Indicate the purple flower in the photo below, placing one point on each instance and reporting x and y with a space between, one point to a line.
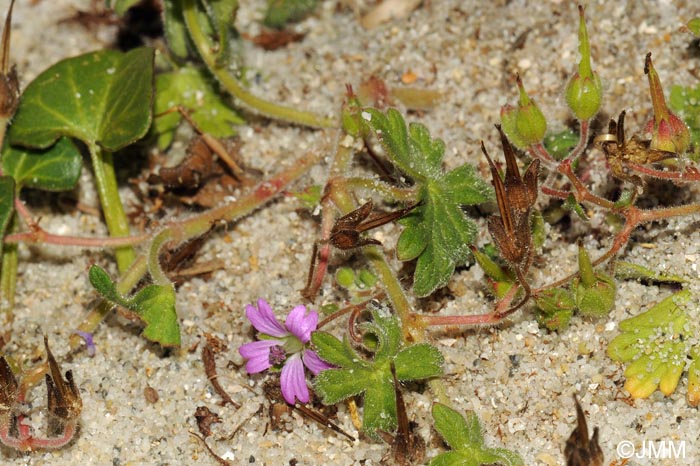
283 345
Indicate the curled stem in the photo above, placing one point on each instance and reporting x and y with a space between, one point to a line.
206 48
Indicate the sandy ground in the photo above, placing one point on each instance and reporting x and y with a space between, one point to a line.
518 378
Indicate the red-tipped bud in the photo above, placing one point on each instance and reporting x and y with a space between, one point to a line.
584 91
668 132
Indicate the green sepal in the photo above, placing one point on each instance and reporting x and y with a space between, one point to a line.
555 308
598 299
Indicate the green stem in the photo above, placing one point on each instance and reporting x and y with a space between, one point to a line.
205 48
154 267
8 276
112 207
393 193
344 201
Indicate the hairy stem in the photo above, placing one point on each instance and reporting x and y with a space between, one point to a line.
205 47
181 231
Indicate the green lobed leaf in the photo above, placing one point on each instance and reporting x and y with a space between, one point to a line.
154 304
104 285
332 350
54 169
336 385
190 88
356 375
174 28
281 12
654 346
380 404
466 440
419 361
438 232
101 97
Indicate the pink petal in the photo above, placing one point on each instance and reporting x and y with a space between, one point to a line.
300 324
314 363
258 355
264 321
293 382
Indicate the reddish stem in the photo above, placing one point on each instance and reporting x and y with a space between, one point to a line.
690 174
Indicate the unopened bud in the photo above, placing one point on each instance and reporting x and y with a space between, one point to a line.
555 308
584 91
668 132
594 291
526 124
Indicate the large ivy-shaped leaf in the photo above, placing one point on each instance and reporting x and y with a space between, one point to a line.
189 87
154 304
464 436
102 97
356 375
438 232
655 345
54 169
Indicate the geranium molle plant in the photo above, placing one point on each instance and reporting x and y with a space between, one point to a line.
285 347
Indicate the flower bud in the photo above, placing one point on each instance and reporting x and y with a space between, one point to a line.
594 291
508 113
556 306
526 124
668 132
584 91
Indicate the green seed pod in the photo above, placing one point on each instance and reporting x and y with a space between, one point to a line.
594 291
584 95
554 300
508 113
530 122
556 321
596 300
584 91
555 308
